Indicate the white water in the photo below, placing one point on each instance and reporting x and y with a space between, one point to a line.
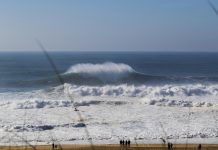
146 90
111 112
107 71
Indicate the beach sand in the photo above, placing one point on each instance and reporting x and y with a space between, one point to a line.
116 147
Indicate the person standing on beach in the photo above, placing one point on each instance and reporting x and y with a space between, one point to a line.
129 142
123 142
199 147
53 146
168 145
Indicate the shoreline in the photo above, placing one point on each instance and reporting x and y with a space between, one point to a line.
113 146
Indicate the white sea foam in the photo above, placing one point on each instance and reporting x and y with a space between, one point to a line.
107 71
111 112
172 95
176 103
182 90
107 124
182 95
37 104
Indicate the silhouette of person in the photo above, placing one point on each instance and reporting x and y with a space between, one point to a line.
199 147
121 142
126 142
53 146
171 146
168 145
129 142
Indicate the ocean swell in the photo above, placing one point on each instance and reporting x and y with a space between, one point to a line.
107 73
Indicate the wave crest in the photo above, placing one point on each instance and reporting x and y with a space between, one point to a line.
107 71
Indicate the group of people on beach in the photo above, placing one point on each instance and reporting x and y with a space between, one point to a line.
170 146
54 146
125 142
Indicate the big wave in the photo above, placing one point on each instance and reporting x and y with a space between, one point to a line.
88 74
120 73
106 72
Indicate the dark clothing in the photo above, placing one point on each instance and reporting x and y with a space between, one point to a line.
199 147
121 142
128 142
168 145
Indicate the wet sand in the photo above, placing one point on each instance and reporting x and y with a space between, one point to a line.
115 147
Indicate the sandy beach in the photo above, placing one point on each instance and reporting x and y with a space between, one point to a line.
116 147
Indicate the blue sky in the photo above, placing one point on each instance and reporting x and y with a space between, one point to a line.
104 25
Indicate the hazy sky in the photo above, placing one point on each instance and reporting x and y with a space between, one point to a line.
103 25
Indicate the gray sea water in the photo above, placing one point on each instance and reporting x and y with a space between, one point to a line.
30 70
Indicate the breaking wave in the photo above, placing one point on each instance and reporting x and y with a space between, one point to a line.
126 90
145 90
88 74
172 95
92 74
107 71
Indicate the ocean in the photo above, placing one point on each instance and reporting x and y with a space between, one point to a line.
21 70
142 96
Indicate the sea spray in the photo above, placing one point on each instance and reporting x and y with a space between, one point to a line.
107 71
